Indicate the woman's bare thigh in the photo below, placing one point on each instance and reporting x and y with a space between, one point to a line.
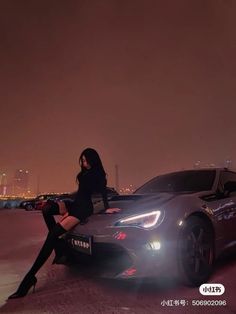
69 222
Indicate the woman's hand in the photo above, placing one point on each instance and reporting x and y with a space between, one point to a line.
112 210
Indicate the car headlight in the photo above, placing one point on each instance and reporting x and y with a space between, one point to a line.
146 221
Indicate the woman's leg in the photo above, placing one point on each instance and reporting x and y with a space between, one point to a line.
50 209
69 222
46 250
60 248
60 228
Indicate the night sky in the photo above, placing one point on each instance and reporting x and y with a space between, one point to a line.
150 84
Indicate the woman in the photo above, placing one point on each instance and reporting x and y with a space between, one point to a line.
91 178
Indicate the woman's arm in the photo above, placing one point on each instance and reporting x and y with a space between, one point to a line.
104 196
103 190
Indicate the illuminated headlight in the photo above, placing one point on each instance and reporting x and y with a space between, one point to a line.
146 221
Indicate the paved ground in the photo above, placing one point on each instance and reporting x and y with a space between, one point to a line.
69 290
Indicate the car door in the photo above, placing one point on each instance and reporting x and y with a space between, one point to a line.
227 205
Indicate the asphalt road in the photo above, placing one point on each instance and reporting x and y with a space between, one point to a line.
81 288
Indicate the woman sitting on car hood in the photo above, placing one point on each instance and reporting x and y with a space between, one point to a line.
91 179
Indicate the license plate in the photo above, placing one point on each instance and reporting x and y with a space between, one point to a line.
82 243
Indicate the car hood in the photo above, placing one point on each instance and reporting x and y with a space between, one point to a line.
139 202
129 205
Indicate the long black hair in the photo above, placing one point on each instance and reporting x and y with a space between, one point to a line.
94 161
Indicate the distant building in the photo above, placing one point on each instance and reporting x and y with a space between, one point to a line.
21 182
3 184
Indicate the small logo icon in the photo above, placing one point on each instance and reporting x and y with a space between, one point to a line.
212 289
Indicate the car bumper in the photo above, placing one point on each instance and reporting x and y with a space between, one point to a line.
132 254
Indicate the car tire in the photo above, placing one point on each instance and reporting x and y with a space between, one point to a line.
195 251
29 207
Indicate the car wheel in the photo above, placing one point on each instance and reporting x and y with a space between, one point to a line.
196 251
29 207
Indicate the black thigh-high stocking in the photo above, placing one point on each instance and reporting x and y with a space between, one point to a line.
49 210
46 250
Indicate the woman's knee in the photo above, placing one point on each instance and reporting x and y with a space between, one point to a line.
50 208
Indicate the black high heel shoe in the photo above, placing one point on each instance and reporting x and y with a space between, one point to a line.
24 287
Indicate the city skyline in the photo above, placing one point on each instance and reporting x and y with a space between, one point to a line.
17 184
149 84
129 188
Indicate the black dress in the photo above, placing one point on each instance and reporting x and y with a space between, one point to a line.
90 181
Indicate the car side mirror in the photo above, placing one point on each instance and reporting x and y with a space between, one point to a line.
230 187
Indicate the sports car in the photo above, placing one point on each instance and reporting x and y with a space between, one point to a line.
177 224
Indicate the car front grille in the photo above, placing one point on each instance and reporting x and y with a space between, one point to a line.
110 259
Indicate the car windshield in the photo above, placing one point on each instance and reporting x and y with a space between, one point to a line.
44 197
185 181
